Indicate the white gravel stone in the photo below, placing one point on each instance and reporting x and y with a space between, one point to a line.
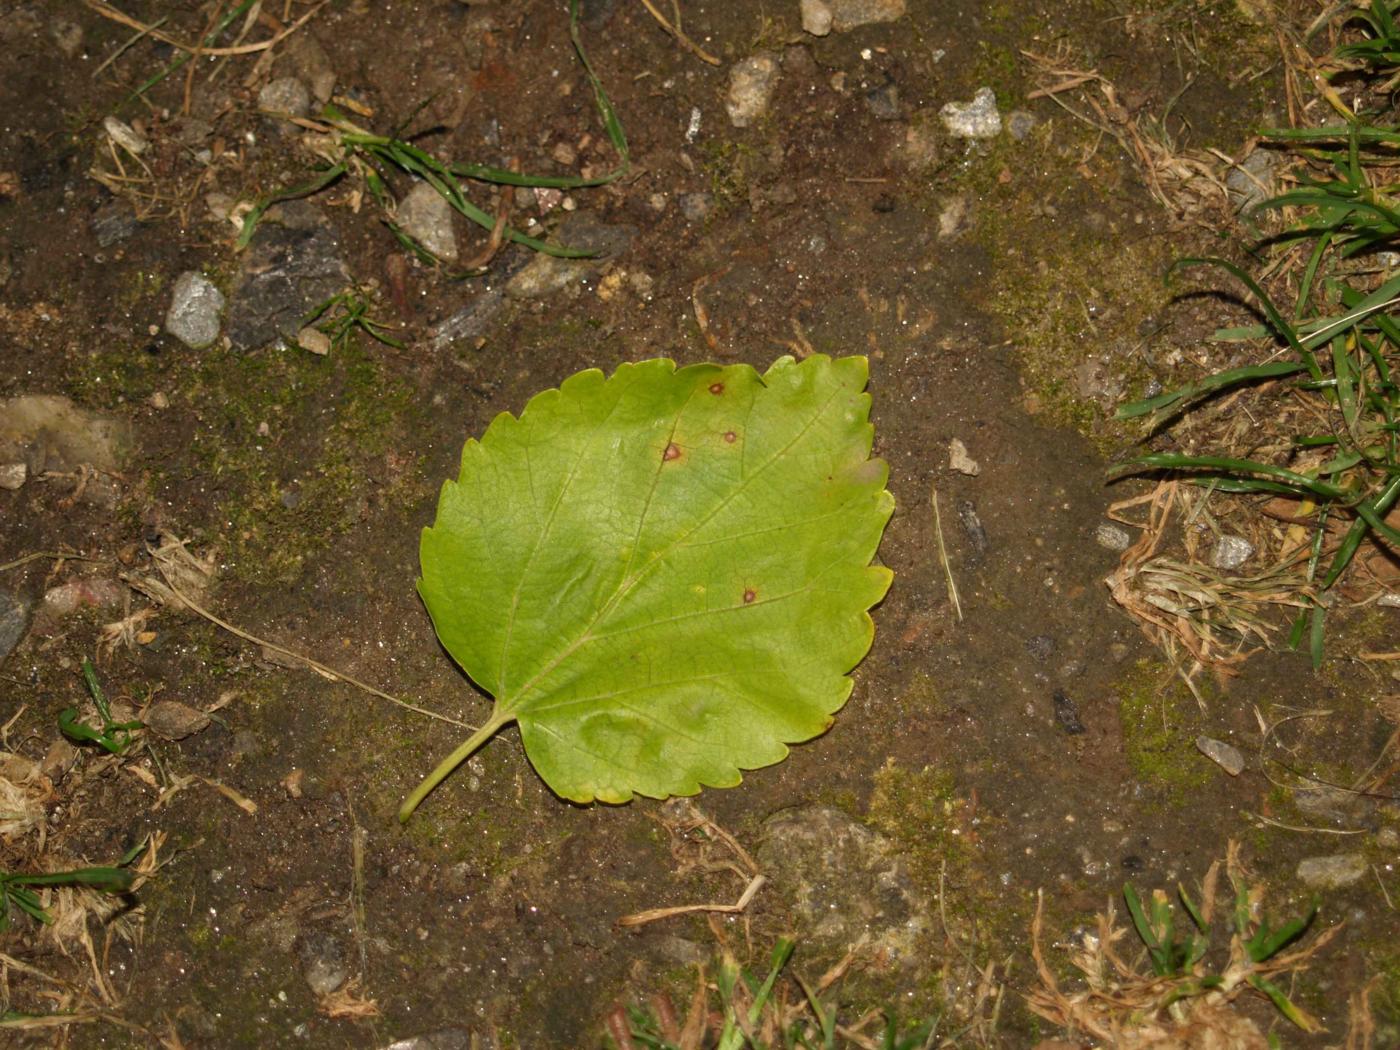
1332 873
125 136
751 84
978 119
1112 537
960 461
196 309
1231 552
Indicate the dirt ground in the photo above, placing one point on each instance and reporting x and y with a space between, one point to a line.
1009 294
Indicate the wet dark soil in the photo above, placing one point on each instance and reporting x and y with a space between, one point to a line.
1036 742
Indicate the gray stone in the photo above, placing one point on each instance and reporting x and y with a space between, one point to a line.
292 266
470 323
91 592
1112 537
125 136
697 207
1333 872
311 63
883 101
545 275
47 432
844 881
196 308
285 96
426 216
752 81
1222 754
1020 123
974 529
14 621
444 1039
1231 552
114 221
816 17
978 119
1067 713
173 720
13 475
1252 181
820 17
1334 805
322 963
920 146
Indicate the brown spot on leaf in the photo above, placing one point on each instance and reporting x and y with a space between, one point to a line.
716 388
730 436
673 451
749 595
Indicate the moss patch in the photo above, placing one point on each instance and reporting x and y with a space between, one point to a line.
285 488
1160 720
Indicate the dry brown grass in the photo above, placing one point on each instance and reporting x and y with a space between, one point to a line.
1117 1002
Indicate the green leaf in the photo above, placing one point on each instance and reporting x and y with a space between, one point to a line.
663 577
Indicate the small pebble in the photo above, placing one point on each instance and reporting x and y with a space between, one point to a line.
697 207
1019 124
173 720
285 95
1112 537
959 460
751 84
972 525
1067 714
1231 552
125 136
13 475
1333 872
978 119
1223 755
426 216
196 310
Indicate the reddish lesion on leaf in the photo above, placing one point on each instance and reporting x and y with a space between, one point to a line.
730 437
749 595
673 451
716 388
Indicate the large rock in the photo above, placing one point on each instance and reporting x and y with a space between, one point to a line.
1332 872
820 17
844 881
545 275
14 621
47 432
292 266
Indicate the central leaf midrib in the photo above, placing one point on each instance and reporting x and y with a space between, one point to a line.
510 704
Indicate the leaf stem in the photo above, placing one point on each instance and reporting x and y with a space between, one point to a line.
452 761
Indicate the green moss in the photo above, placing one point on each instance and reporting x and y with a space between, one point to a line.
728 167
290 443
1071 294
930 825
1160 721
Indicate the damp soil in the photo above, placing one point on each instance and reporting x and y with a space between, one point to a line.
1038 729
